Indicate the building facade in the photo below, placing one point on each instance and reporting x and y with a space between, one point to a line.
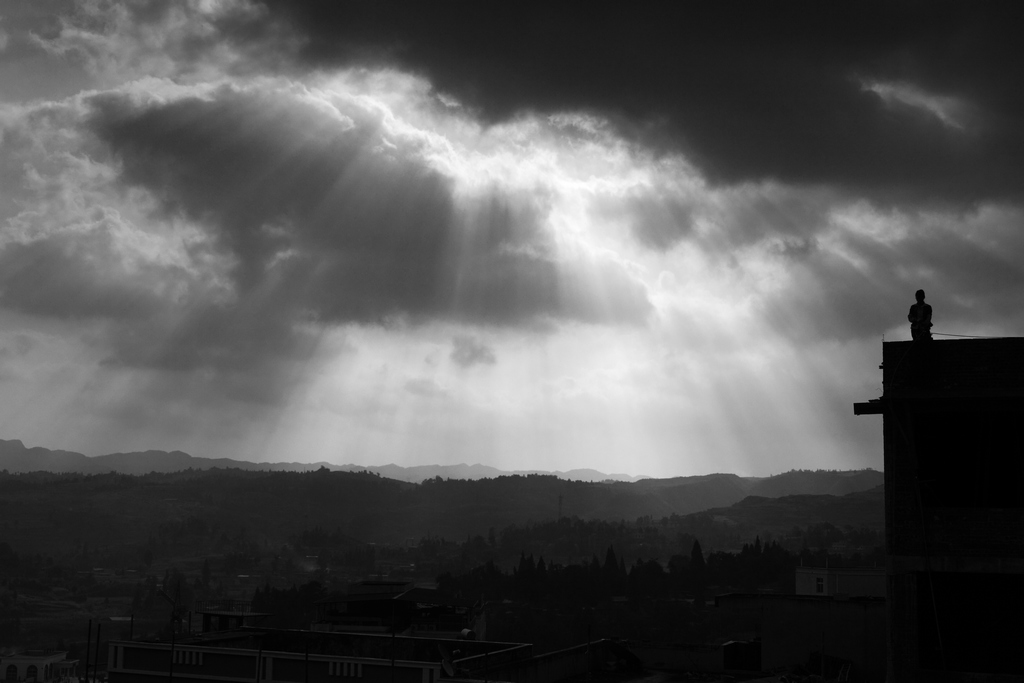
38 666
196 662
954 507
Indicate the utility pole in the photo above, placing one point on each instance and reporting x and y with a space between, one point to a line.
170 667
259 662
392 640
96 662
88 648
175 618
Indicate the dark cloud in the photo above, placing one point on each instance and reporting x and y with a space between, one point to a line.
80 275
749 91
469 351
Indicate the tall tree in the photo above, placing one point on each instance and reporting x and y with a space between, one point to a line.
610 571
697 572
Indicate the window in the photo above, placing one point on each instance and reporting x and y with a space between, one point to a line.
347 669
819 584
31 673
188 657
12 673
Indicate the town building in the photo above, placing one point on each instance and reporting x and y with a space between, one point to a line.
38 666
400 607
256 655
378 632
835 625
841 581
831 635
226 614
245 656
954 507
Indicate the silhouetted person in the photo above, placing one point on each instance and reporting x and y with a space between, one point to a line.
920 318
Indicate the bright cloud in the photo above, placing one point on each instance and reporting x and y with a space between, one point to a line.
953 112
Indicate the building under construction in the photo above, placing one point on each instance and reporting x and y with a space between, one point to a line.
954 508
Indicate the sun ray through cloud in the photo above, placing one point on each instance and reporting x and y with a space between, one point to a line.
286 232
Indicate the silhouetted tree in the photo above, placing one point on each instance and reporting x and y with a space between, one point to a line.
610 572
697 573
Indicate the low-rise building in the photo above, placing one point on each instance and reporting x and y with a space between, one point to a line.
835 620
397 607
38 666
227 614
251 655
829 633
841 581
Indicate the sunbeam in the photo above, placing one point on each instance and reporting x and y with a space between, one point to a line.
236 237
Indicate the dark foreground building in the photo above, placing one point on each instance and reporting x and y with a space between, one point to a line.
953 424
840 636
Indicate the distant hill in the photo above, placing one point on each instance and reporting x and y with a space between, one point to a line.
818 482
16 458
43 512
249 520
779 515
699 492
392 503
420 473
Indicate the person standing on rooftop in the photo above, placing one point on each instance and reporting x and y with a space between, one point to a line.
920 318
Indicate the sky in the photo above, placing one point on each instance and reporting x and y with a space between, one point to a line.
656 239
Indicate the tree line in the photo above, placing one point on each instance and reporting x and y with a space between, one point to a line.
692 576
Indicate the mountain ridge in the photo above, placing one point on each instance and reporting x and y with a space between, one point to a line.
16 458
